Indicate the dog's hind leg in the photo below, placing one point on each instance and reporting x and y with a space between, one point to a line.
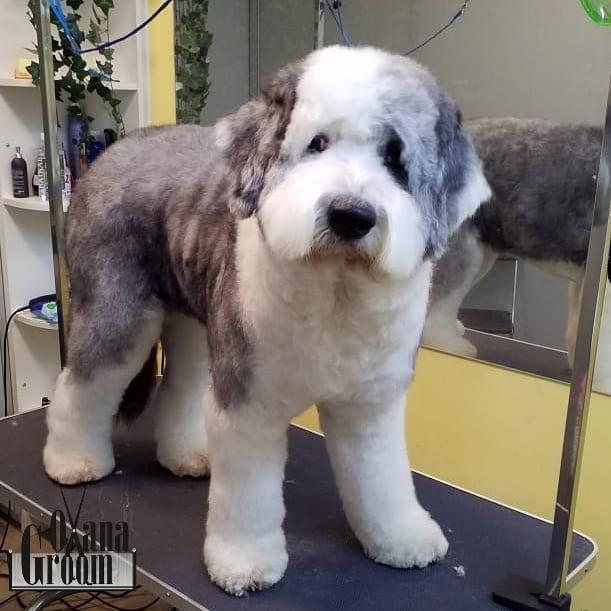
179 405
106 351
462 266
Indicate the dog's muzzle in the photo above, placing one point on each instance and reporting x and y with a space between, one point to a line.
350 218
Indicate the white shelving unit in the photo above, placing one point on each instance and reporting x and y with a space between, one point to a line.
28 203
25 235
27 318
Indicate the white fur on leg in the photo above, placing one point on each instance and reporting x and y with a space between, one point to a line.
369 456
443 330
180 427
245 548
81 416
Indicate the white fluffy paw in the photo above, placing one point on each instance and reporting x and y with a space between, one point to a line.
238 567
186 463
75 468
419 543
463 347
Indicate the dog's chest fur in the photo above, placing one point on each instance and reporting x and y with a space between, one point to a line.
326 331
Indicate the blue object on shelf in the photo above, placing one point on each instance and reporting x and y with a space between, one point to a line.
45 311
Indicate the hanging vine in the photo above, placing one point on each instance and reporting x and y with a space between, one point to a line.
192 43
74 80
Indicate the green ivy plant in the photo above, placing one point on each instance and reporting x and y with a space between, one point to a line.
74 81
192 42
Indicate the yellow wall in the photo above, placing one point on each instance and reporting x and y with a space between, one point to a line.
494 431
161 64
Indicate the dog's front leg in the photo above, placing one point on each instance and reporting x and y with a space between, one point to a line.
369 456
245 548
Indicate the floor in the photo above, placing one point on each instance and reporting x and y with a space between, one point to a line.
140 599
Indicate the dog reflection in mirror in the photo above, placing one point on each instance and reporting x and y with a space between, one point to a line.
284 259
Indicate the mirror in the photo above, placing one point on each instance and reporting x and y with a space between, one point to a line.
531 80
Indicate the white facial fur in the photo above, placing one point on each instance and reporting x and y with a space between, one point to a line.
291 214
354 107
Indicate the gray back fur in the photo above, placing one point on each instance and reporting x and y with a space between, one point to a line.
543 179
155 220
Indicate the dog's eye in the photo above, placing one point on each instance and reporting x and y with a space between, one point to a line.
392 154
319 143
392 160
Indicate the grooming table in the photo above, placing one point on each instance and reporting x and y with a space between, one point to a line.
327 569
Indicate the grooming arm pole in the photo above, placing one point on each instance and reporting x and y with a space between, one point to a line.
583 367
42 19
519 593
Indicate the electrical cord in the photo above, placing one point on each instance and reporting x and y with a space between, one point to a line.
9 599
335 11
5 353
117 608
58 11
457 16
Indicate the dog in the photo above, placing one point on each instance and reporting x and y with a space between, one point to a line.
543 179
284 258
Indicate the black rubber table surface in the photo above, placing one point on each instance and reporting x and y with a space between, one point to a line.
326 568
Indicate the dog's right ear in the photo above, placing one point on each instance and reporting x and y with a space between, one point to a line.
251 139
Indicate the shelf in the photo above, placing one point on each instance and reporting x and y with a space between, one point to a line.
28 203
16 82
27 318
27 83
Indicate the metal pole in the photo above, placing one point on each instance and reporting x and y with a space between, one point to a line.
581 382
49 117
319 35
44 599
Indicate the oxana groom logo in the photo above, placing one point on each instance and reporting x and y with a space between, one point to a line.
97 557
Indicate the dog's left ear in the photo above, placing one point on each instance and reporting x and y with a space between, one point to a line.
461 186
251 139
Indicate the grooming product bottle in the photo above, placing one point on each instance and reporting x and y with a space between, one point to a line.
96 146
19 173
66 175
41 170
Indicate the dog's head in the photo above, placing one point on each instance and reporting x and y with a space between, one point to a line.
353 153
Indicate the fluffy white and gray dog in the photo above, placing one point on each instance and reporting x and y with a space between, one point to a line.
284 258
543 178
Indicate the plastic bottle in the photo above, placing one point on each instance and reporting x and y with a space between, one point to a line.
96 146
41 171
19 173
66 176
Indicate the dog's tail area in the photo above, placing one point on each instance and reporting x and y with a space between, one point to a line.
138 394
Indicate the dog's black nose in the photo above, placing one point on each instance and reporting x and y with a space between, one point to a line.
351 218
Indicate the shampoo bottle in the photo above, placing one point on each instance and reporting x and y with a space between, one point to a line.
41 171
19 173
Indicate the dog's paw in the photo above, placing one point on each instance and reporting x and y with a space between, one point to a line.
73 468
464 347
419 543
187 463
460 327
456 344
240 566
